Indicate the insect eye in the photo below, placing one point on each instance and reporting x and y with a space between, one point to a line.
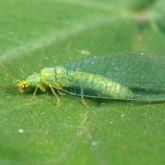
24 86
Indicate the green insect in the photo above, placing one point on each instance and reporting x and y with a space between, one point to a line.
130 76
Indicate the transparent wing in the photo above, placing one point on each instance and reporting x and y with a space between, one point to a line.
143 74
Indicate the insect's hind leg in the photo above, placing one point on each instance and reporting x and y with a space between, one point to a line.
53 91
61 93
82 98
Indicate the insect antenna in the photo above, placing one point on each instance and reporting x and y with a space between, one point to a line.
8 74
13 80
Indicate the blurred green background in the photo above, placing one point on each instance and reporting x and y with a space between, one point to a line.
39 33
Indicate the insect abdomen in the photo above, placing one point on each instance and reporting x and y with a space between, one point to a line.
100 84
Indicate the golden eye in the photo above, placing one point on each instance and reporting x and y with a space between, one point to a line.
24 87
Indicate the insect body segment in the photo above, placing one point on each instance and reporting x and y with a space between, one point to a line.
100 84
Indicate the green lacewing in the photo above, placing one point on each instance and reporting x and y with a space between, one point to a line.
125 76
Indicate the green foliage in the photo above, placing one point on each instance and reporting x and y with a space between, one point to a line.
39 33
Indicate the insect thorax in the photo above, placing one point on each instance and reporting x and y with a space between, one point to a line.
55 76
34 79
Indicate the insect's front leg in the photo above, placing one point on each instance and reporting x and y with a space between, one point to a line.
41 87
34 93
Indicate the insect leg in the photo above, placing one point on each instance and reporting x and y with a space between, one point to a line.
42 88
53 91
82 98
61 93
34 93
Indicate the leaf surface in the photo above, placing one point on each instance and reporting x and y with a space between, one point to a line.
35 34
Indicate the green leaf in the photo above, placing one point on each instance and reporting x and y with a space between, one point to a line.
35 34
